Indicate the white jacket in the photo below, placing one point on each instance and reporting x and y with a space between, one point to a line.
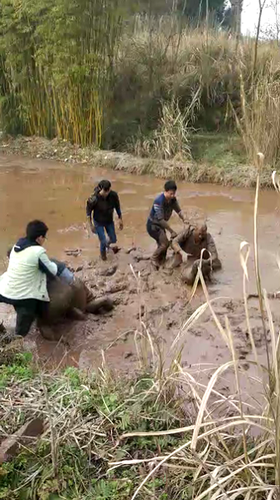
24 279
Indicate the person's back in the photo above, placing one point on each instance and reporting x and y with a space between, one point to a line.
24 285
24 279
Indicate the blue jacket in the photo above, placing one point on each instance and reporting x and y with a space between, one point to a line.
162 209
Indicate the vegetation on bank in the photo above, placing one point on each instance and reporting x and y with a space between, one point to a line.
88 73
218 159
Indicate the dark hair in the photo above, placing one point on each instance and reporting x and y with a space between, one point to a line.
170 186
36 228
106 185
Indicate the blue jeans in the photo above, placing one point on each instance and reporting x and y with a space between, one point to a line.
67 276
100 231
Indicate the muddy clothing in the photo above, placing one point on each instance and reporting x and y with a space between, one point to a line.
156 225
162 209
185 241
158 234
101 209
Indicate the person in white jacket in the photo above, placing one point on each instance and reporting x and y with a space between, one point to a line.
24 285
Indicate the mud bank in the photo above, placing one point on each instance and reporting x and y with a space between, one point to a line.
152 310
178 168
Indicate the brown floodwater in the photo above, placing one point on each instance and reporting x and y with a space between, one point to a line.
57 193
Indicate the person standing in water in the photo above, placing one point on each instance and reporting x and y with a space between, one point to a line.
100 215
157 223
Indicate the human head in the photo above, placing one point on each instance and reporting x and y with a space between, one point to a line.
170 188
200 233
36 231
105 187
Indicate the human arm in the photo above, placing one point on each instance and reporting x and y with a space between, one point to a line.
180 239
214 258
47 266
180 213
118 210
91 203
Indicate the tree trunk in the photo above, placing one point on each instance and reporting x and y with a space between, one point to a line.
236 11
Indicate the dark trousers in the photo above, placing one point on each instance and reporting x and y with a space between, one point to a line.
27 311
100 231
158 233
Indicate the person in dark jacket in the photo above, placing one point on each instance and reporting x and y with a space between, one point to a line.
157 223
24 284
100 215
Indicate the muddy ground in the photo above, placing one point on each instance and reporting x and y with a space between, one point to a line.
156 305
157 301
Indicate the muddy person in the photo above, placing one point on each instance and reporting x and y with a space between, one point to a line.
100 215
157 223
192 241
24 285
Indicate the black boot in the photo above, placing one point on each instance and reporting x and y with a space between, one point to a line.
103 255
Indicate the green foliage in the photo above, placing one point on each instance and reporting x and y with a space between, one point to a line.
19 371
109 407
56 66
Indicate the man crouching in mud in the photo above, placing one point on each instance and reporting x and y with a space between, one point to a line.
191 241
157 223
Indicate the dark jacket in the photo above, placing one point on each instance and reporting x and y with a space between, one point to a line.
102 209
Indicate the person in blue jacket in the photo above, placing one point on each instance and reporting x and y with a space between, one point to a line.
157 223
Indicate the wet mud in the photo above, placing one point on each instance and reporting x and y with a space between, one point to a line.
144 299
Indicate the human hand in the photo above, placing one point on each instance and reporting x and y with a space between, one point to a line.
120 225
91 228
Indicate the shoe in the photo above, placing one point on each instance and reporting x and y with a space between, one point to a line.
103 255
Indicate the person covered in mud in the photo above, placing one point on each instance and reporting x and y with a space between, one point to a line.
192 241
100 215
24 284
157 223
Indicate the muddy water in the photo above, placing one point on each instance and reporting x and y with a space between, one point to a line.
56 193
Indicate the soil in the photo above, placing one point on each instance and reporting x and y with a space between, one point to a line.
148 304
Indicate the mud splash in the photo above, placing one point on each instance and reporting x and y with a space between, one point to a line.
57 193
